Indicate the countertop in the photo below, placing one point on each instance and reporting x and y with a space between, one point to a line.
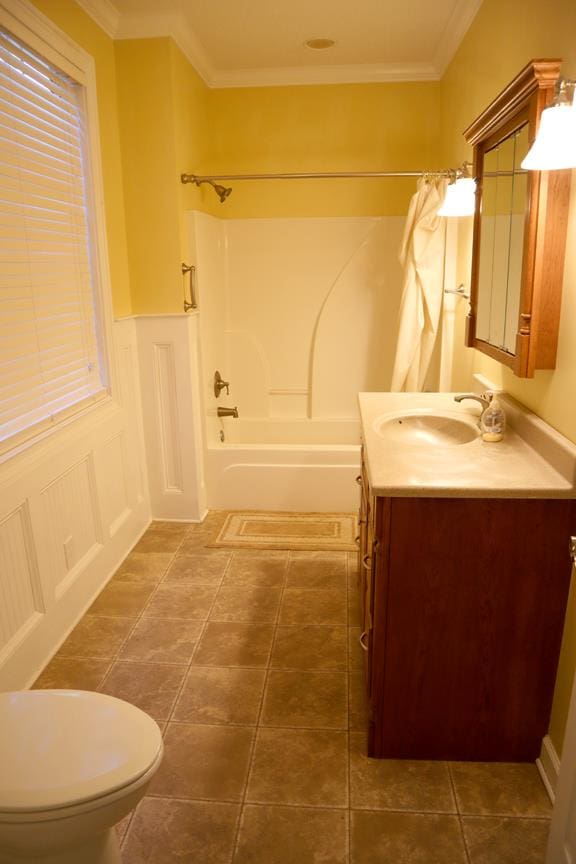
532 461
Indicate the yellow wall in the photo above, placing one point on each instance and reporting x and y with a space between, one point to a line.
163 121
82 29
345 127
503 38
171 123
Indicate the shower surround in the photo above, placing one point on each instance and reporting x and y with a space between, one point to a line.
299 315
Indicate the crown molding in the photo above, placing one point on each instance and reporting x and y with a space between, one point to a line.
175 26
301 75
104 13
454 32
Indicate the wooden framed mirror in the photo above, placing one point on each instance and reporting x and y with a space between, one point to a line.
520 223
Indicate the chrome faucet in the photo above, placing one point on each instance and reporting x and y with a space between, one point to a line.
484 400
227 412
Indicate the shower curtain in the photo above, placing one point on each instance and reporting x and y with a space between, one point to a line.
422 260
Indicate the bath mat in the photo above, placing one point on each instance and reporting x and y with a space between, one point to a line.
316 532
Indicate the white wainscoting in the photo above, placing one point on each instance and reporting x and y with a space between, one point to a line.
172 411
71 508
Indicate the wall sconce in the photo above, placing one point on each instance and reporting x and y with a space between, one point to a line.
555 144
460 195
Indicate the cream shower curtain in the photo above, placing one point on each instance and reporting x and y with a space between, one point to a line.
422 259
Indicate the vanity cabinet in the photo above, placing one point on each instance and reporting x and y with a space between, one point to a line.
463 603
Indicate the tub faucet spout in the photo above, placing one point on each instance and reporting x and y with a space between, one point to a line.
227 412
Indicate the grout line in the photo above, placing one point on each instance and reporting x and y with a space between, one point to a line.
115 657
138 618
201 634
258 725
348 665
457 805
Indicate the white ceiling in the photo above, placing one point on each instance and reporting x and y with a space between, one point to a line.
236 43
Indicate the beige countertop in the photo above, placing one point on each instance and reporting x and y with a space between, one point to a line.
532 460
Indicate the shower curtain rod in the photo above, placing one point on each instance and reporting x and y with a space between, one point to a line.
223 192
314 175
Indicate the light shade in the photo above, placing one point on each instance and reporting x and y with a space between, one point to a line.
555 144
460 198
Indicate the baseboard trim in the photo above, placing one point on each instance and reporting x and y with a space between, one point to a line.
548 765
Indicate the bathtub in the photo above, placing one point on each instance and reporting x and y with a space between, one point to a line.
284 465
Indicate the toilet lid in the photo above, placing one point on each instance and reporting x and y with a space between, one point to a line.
62 747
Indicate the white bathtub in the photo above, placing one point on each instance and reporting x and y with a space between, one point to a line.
284 465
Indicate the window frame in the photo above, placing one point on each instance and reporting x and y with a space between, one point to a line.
34 29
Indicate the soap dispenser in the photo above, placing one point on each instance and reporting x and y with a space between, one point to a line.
493 421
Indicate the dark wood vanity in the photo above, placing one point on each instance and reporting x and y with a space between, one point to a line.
463 603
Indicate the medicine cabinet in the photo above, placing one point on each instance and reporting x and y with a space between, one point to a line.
519 235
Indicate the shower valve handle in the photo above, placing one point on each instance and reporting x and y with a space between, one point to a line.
220 384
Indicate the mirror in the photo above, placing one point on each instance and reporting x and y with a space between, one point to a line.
519 230
504 202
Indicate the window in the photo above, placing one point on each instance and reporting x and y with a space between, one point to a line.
50 357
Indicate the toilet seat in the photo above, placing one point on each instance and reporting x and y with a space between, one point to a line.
64 748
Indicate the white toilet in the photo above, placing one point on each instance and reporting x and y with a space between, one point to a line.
72 765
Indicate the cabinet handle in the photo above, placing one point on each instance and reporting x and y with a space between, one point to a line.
363 636
359 479
362 521
357 540
367 562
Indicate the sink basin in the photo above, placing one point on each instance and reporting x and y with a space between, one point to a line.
429 429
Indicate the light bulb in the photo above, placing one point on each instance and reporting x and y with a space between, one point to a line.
555 144
460 199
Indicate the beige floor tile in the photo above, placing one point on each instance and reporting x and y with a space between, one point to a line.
405 838
122 827
305 768
164 831
309 646
162 640
260 572
352 569
143 567
151 687
313 606
97 637
499 789
204 762
357 703
391 784
317 570
122 599
355 653
306 699
258 605
354 608
234 644
159 540
214 695
197 541
181 601
204 567
72 674
286 835
506 841
166 525
213 521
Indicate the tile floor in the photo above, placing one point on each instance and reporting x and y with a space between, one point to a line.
250 663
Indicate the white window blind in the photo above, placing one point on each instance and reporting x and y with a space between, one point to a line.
49 352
